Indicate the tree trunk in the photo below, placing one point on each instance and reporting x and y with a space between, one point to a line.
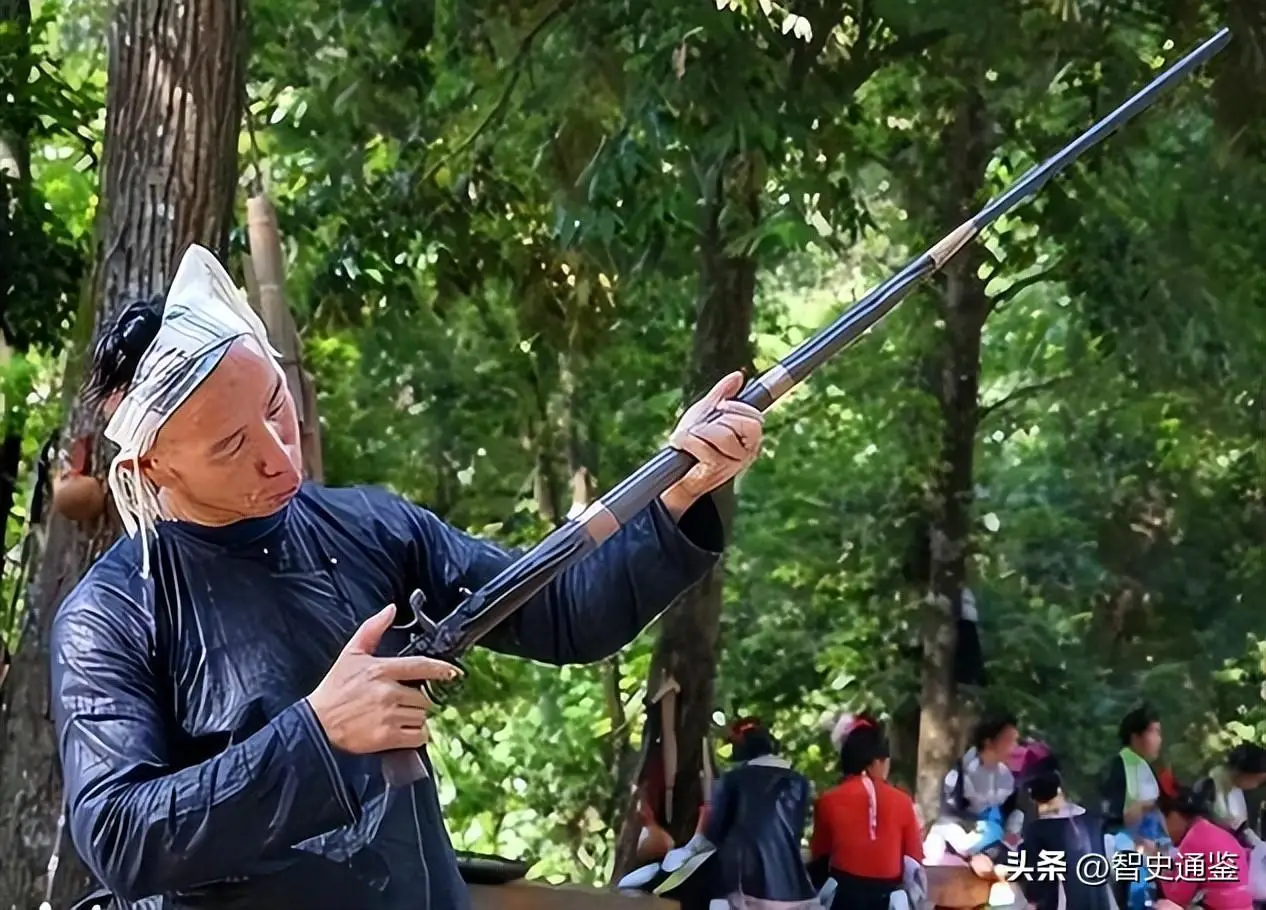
10 469
168 180
16 123
965 307
687 645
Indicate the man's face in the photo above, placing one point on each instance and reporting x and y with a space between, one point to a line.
231 451
1001 746
1149 743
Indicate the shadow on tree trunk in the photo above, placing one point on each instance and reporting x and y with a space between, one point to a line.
169 180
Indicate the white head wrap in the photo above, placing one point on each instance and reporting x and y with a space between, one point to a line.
203 315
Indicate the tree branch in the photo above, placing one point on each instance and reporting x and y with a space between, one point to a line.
1019 286
1020 393
515 70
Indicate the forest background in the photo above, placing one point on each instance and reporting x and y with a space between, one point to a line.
518 234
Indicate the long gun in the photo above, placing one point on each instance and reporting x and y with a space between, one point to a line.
485 609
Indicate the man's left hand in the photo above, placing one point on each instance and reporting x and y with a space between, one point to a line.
724 446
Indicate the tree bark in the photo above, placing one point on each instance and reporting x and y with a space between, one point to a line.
16 123
964 310
688 637
168 180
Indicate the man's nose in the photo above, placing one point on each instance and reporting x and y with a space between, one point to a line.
274 459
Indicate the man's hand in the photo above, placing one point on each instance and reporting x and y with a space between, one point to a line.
723 446
363 703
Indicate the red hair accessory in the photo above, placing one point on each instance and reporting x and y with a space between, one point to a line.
743 725
845 725
1167 783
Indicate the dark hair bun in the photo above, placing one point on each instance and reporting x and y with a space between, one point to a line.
119 349
864 744
1186 801
751 741
1044 785
1247 758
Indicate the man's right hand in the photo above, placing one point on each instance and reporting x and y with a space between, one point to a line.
363 703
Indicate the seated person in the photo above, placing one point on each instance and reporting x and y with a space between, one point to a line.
1243 769
1186 819
756 822
1130 791
1130 788
865 832
979 800
1063 828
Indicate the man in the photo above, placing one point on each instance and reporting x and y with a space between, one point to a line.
979 810
1129 792
1130 788
217 695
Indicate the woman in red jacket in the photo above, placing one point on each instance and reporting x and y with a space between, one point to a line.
864 828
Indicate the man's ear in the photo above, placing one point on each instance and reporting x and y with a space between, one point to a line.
154 469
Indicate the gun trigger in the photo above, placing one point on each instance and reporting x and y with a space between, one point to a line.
417 603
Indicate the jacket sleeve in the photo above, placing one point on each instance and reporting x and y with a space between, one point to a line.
821 843
804 808
720 811
142 826
1112 793
1012 814
952 792
590 611
911 833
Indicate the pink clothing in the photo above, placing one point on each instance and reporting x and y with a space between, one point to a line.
1210 861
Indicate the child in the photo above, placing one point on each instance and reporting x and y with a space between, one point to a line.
1065 829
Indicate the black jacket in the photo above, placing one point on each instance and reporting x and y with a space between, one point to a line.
757 821
1112 795
1070 835
197 775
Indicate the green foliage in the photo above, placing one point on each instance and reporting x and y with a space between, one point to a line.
491 215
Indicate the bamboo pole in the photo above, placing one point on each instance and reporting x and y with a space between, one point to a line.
265 280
